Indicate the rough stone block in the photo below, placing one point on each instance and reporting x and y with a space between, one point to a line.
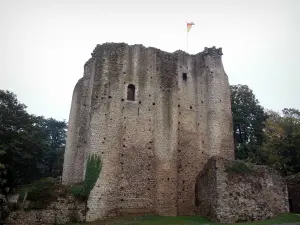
230 191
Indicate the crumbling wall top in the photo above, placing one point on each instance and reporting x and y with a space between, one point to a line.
212 51
111 46
108 46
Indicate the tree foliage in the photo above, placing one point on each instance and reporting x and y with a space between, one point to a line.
281 148
30 146
264 136
248 122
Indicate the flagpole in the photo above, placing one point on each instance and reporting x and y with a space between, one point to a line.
187 42
188 27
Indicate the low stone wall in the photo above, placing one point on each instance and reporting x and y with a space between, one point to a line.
229 192
62 211
293 184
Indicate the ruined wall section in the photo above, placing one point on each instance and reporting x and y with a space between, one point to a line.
206 195
228 194
105 128
165 133
205 122
190 147
201 88
78 126
64 210
72 135
219 121
86 106
136 185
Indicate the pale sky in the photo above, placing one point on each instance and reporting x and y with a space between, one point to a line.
45 43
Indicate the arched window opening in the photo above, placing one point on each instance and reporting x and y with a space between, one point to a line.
131 92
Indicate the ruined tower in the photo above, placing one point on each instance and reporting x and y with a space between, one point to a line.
154 118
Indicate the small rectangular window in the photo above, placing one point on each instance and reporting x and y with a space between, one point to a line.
184 76
131 92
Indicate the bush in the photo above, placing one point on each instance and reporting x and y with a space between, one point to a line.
39 191
239 167
79 191
43 191
93 169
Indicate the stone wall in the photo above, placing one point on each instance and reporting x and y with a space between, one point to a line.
293 184
62 211
153 147
228 196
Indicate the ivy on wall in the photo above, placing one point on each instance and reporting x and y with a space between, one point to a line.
93 169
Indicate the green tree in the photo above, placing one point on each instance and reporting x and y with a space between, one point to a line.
56 138
19 140
31 147
281 148
248 122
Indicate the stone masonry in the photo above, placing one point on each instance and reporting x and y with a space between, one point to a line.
64 210
154 118
227 196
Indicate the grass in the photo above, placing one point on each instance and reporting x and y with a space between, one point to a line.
186 220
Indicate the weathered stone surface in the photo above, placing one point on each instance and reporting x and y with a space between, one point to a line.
227 196
293 184
62 211
152 148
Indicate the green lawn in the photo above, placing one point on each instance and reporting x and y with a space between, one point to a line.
185 220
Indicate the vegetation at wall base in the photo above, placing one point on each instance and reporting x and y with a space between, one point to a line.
93 169
41 192
240 167
40 189
79 192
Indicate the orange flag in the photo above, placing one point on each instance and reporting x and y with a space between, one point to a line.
189 26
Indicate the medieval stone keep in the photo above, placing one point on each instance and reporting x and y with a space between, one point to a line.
154 118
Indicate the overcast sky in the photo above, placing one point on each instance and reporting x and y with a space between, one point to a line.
45 43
